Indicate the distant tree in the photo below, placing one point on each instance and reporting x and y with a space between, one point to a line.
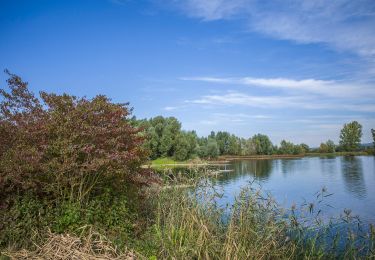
212 150
222 139
290 148
327 147
298 149
286 147
182 149
373 136
212 135
331 147
161 134
249 148
350 136
242 146
323 148
262 143
305 148
234 145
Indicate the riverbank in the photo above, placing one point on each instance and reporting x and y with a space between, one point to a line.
224 159
161 163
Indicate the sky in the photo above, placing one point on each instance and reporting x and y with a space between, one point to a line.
294 70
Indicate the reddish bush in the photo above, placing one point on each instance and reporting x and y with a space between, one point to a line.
62 145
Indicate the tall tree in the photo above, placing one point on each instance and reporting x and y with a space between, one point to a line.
323 148
350 136
182 150
305 147
331 146
373 136
263 144
212 149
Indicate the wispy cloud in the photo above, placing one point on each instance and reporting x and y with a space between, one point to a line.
329 88
343 25
233 118
212 9
274 102
315 86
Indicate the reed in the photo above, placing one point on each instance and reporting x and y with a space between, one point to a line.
190 225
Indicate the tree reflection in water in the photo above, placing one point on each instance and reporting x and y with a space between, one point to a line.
352 171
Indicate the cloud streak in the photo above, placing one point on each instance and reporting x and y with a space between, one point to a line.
279 102
343 25
322 87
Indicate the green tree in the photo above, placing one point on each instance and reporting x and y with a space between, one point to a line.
182 150
262 143
350 136
331 147
249 148
222 139
234 145
298 149
286 147
212 149
305 148
323 148
373 136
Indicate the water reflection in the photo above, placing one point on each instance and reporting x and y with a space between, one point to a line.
352 171
297 180
259 169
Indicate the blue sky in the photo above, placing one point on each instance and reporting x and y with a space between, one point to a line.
290 69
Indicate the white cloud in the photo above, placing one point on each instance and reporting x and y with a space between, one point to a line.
322 87
170 108
233 118
274 102
342 24
212 9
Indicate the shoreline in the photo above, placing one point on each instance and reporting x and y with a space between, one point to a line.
226 159
289 156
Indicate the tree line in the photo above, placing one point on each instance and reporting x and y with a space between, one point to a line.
165 138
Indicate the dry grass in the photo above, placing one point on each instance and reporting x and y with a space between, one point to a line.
92 246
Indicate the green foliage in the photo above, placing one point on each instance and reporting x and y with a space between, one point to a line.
373 136
327 147
164 138
331 146
350 136
290 148
20 222
28 217
161 161
305 148
263 144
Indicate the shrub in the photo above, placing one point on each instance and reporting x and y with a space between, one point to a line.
63 146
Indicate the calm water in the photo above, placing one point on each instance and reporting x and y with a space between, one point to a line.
350 179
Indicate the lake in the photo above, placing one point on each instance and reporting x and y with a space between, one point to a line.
351 179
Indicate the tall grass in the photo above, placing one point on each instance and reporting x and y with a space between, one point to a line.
190 225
